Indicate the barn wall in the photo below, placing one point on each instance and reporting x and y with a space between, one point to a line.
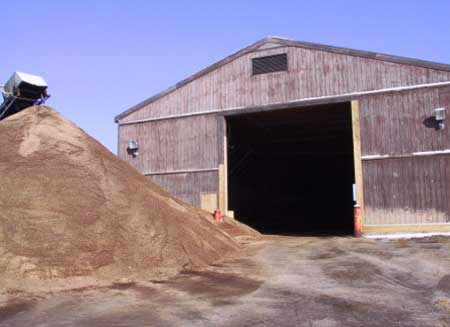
411 190
170 145
312 73
405 188
183 144
189 186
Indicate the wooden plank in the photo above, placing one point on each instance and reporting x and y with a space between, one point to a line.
357 156
180 171
208 202
225 167
222 189
221 133
416 228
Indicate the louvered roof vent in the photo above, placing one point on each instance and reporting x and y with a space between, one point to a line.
269 64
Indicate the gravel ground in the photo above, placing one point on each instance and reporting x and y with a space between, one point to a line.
277 281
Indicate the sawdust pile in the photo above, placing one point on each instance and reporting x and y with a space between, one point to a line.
71 210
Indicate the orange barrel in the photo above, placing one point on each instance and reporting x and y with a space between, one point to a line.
357 222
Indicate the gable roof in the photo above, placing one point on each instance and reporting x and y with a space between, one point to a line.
278 41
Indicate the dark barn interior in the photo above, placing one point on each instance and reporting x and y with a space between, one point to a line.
291 171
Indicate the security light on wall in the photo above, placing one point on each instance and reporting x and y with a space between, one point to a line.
132 148
440 114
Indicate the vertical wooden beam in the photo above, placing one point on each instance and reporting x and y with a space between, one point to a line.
223 165
222 189
221 132
357 156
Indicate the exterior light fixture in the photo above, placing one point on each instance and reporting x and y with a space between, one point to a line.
132 148
440 114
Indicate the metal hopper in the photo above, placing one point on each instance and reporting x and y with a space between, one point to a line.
22 91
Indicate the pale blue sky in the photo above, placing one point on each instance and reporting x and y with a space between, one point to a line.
101 57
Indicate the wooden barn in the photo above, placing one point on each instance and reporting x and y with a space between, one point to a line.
288 135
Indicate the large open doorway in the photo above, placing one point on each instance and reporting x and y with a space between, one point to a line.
291 171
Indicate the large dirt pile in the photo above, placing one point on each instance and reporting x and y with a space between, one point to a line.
69 207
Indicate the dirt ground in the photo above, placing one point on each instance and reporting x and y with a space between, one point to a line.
276 281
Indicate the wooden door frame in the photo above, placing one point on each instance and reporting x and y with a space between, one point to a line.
223 154
356 133
222 145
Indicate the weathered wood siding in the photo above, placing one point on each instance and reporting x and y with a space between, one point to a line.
170 145
411 190
311 73
397 191
407 188
188 187
167 146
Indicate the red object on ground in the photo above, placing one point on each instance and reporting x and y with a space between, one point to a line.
357 230
217 215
